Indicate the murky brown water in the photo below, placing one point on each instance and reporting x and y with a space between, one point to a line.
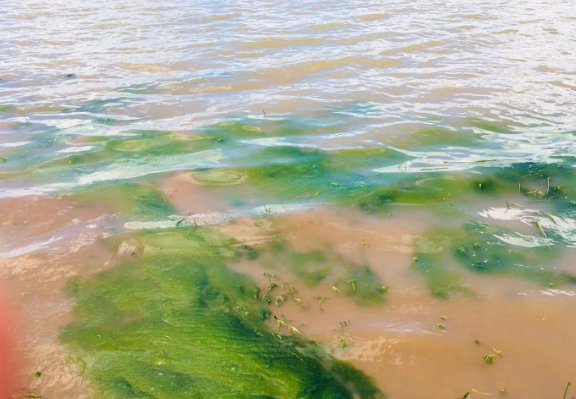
353 95
399 343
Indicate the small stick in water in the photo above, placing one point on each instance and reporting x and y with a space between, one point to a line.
294 330
566 391
334 288
537 224
468 394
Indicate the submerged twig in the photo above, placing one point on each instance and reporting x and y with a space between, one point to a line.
294 330
468 394
352 283
551 218
334 288
566 391
537 224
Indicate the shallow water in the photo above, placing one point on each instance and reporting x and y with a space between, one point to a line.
394 163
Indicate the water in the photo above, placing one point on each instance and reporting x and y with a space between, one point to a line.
448 125
353 74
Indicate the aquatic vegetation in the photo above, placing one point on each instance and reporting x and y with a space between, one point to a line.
352 283
364 286
447 192
413 190
479 247
137 150
568 385
496 351
290 172
441 281
131 200
490 126
154 143
251 128
7 109
439 137
177 322
334 288
311 267
344 341
347 159
468 394
359 282
218 177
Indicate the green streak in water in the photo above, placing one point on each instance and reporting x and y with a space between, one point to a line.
131 200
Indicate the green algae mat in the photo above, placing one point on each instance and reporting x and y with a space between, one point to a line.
177 323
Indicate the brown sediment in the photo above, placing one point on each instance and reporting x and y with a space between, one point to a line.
191 195
398 342
401 343
385 244
411 357
30 219
37 280
186 195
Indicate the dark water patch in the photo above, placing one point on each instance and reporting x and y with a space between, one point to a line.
485 249
430 260
107 121
479 249
363 285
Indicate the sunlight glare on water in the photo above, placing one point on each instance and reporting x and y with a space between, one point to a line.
369 71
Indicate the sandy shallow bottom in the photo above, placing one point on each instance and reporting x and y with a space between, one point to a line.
399 342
